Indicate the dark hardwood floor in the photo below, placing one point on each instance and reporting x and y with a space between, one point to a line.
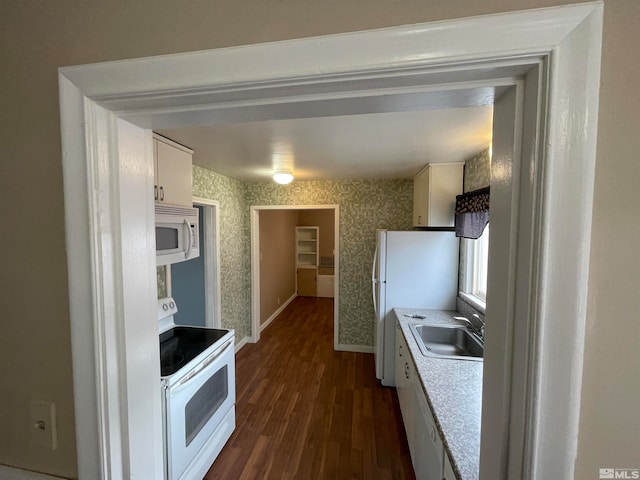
305 411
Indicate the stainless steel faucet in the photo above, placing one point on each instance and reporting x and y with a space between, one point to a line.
482 322
471 326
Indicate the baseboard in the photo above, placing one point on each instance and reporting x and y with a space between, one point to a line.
277 312
11 473
241 343
354 348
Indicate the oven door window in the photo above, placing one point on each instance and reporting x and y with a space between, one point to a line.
205 403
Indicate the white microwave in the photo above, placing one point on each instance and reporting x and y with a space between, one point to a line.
177 234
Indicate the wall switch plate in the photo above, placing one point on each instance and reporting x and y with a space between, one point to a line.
44 431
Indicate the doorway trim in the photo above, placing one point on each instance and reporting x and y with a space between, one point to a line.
213 296
255 264
112 407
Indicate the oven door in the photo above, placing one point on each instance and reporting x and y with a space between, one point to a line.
195 407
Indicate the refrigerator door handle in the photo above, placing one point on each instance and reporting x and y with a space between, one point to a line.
375 300
375 260
374 280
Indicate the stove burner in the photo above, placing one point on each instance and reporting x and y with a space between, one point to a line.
180 345
173 360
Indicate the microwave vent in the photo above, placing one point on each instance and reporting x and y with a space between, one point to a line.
175 210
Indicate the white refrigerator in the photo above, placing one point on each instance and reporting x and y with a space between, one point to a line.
412 269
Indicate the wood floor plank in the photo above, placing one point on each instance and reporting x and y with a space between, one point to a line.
305 411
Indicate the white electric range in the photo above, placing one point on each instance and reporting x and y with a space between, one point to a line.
198 393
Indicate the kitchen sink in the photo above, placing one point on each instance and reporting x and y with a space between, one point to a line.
447 341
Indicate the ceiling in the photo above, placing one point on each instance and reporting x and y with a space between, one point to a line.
368 146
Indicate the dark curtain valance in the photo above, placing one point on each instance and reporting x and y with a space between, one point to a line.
472 213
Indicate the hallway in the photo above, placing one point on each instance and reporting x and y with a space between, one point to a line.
306 411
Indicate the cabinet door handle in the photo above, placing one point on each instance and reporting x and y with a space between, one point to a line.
155 192
400 351
162 194
419 219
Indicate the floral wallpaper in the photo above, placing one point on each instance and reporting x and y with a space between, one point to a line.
161 278
364 207
477 171
235 265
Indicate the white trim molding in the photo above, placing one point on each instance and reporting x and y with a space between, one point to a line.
474 301
354 348
211 249
107 169
254 219
242 343
277 312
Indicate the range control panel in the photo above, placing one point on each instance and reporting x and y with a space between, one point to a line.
166 307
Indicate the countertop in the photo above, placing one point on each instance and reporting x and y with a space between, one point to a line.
454 392
325 270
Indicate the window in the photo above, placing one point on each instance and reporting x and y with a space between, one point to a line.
474 266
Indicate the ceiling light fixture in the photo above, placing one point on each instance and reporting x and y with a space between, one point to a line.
282 177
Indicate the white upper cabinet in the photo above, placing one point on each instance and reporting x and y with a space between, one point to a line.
172 172
434 194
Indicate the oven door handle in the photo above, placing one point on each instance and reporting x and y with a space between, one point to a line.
184 383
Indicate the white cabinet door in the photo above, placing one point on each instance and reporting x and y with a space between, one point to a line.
173 174
445 184
425 445
421 198
434 194
428 445
404 387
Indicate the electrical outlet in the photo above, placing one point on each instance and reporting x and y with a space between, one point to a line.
44 431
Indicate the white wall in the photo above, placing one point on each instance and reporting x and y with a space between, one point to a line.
610 416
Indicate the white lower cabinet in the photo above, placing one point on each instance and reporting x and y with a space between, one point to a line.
404 388
428 450
425 445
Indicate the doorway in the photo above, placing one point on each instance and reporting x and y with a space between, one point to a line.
291 215
101 147
195 284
